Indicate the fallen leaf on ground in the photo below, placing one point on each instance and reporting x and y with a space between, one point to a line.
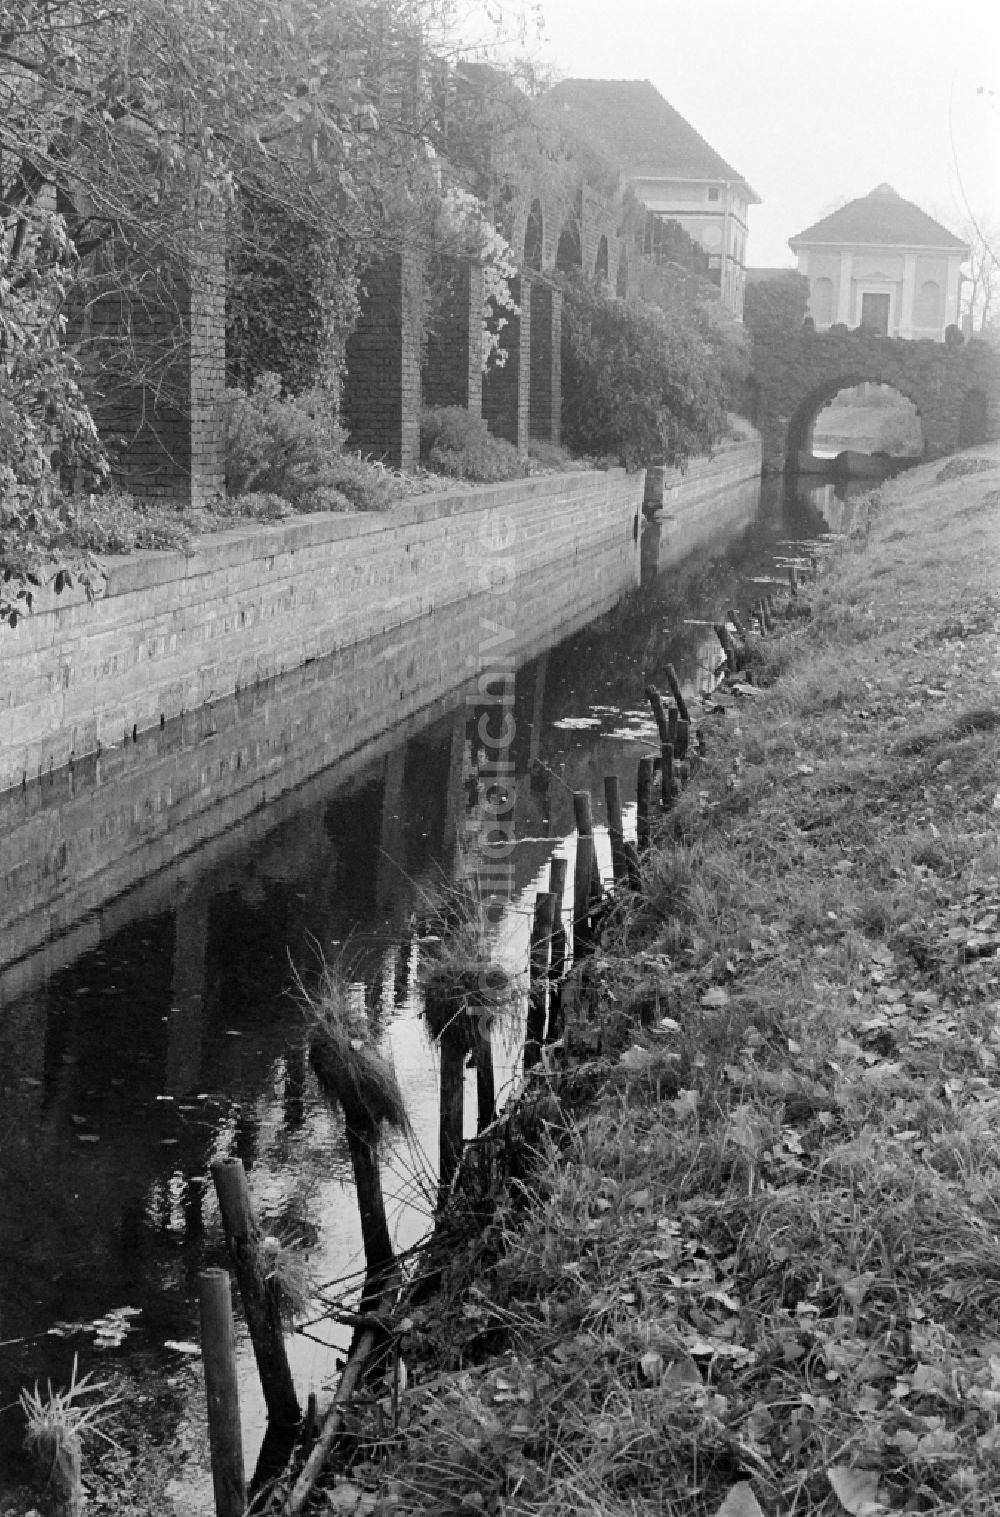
740 1502
856 1490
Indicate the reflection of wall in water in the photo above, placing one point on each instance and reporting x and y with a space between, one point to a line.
78 840
669 540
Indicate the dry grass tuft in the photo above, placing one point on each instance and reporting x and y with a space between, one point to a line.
351 1071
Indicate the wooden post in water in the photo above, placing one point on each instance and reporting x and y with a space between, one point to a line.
673 719
218 1352
541 943
362 1143
667 776
683 738
451 1128
659 713
260 1305
583 884
616 829
584 813
734 617
557 889
557 957
486 1090
765 625
643 787
670 674
793 580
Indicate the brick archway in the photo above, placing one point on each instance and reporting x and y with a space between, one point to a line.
799 426
796 371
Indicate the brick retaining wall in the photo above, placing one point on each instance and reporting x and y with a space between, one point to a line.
176 630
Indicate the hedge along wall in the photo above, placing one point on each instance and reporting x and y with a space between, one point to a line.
175 630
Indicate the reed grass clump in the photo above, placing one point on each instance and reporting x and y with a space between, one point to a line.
56 1424
350 1069
465 989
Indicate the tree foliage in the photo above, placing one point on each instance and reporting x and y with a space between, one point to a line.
298 123
47 434
777 304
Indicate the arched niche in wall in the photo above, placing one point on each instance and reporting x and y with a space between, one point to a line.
534 237
621 282
568 254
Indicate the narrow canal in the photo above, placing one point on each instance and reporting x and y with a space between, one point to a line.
168 1033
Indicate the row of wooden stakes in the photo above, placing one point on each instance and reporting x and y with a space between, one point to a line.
552 953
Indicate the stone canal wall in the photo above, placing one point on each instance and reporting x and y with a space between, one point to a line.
175 631
692 508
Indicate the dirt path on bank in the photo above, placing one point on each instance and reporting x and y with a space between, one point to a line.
761 1270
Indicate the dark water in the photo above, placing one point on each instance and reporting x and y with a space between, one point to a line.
176 1037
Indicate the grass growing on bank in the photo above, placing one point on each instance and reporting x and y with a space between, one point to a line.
761 1271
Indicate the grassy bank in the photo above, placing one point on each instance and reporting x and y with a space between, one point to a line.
760 1269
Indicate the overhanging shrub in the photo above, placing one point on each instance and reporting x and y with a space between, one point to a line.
639 383
293 447
458 443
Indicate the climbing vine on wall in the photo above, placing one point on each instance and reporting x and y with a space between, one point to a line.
291 303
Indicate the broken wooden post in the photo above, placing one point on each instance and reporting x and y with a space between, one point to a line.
538 977
616 829
486 1090
260 1303
734 617
451 1127
557 956
643 787
557 889
670 674
659 713
218 1352
583 887
584 813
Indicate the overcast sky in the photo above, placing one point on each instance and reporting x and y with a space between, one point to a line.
813 101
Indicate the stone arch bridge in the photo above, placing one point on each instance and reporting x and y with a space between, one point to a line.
956 389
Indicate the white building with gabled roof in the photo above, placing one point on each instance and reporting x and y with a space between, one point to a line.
882 263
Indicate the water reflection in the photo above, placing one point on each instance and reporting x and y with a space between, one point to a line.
164 1032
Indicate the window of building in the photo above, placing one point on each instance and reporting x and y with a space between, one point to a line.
713 194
